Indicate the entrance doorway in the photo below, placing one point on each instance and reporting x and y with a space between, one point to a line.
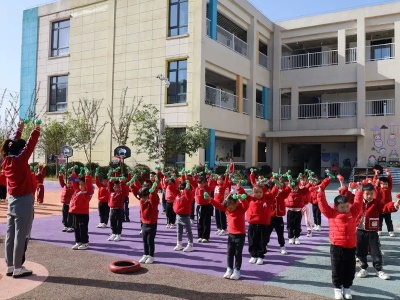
298 157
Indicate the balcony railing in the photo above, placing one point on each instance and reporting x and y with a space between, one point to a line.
259 110
286 112
264 61
379 52
328 110
310 60
246 106
380 107
220 98
229 40
351 55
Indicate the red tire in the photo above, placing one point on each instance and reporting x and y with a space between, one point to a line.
124 266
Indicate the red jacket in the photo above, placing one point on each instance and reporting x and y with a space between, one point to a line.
278 209
199 195
296 199
183 203
220 190
103 193
259 211
3 179
80 200
66 192
314 189
171 190
149 209
17 170
40 175
236 219
116 200
342 227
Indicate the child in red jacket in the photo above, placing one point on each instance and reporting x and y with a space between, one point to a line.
40 174
316 184
103 196
116 205
342 234
219 195
235 209
386 195
204 211
182 208
67 191
171 187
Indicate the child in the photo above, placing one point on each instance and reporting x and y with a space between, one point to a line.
386 195
219 195
40 174
204 211
367 230
79 209
171 188
149 216
103 196
235 209
305 211
342 234
316 183
116 205
182 208
3 186
66 195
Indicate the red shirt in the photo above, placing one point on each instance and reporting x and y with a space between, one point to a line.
66 192
3 179
171 190
183 203
103 193
296 199
236 219
220 190
149 210
259 211
199 195
116 200
40 175
80 200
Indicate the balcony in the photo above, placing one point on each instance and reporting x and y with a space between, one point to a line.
351 55
259 110
229 40
383 107
379 52
309 60
264 61
328 110
220 98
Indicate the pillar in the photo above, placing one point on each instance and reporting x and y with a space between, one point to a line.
210 153
265 102
239 93
294 103
342 47
213 12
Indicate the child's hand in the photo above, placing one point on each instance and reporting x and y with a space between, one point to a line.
387 171
206 196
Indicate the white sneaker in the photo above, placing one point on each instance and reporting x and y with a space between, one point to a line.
199 240
379 233
291 241
204 241
65 229
178 247
149 260
103 225
117 238
391 233
10 271
143 259
253 260
172 226
347 294
315 227
235 275
167 226
297 241
382 275
362 273
141 232
283 250
191 221
318 228
22 272
223 232
188 248
338 294
218 231
309 233
228 273
83 247
259 261
99 225
76 246
112 237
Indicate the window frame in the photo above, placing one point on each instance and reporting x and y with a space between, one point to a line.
179 27
55 52
174 82
57 103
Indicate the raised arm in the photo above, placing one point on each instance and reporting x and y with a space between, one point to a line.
31 144
323 205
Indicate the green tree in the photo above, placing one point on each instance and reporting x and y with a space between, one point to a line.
171 143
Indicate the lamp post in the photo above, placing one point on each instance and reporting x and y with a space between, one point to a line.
166 82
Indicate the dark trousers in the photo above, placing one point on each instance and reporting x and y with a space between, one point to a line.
3 192
316 214
116 218
388 221
235 250
66 218
220 219
126 210
170 214
293 223
368 240
257 234
204 214
193 211
277 224
80 224
149 234
343 263
164 201
104 212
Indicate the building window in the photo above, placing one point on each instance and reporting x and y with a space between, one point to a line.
58 93
177 73
178 17
60 38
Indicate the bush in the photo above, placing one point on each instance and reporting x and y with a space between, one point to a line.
103 170
92 166
51 170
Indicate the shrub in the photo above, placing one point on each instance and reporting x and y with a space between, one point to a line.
92 166
51 170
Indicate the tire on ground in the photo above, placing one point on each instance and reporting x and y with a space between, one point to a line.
124 266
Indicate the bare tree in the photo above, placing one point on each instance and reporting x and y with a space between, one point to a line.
10 108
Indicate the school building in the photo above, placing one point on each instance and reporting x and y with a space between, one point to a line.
294 94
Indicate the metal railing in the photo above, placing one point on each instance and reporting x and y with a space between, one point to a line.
379 52
286 112
259 110
246 106
328 110
220 98
382 107
264 61
229 40
351 55
310 60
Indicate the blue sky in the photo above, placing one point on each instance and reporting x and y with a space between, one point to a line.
11 25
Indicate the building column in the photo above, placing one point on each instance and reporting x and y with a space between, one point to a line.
276 154
239 93
265 102
294 103
341 47
210 157
213 7
397 60
276 84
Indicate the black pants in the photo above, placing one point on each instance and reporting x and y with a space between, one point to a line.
170 214
343 263
164 201
204 214
116 218
235 250
368 240
220 219
80 224
293 223
388 221
149 234
104 212
66 217
316 214
126 210
193 210
277 224
257 236
3 192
